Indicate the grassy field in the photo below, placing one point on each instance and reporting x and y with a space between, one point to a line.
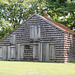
36 68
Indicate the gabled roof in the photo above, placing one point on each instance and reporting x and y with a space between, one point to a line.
59 25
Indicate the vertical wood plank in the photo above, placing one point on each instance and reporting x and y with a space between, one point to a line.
39 51
38 31
13 39
4 52
31 32
47 51
13 52
34 51
50 51
43 51
22 52
9 53
35 32
0 52
18 51
53 52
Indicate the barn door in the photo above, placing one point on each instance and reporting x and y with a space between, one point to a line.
0 53
13 52
4 52
37 52
9 51
45 52
51 51
48 51
20 52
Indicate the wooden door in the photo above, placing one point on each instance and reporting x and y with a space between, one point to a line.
9 52
20 52
37 52
4 52
13 52
51 51
45 52
48 51
0 53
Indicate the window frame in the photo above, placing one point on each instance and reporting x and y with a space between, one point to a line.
27 47
35 31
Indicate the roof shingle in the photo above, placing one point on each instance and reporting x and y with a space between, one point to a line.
59 25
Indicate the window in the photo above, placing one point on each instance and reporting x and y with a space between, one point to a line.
13 39
35 32
27 46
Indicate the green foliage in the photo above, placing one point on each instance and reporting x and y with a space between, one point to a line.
62 8
15 12
4 28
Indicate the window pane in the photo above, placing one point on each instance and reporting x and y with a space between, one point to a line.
27 46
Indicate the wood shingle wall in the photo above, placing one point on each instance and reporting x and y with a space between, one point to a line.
50 35
72 51
69 47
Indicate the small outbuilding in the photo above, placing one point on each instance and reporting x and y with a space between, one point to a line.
39 39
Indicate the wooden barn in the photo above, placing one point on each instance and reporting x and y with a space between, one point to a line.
39 39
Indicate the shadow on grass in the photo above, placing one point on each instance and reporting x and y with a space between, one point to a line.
31 61
72 62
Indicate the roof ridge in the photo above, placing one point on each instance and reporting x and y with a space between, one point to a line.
69 30
59 25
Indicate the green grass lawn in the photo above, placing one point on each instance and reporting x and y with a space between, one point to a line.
36 68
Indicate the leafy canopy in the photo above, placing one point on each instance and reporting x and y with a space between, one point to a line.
15 12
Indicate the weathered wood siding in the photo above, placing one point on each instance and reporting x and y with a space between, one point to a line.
0 53
69 47
9 53
49 34
73 50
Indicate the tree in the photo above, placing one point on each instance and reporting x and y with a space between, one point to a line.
15 12
70 8
62 8
4 28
